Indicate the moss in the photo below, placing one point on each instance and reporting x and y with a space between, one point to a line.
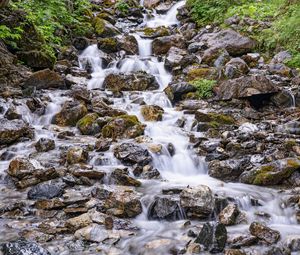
161 31
214 124
202 73
108 44
290 144
221 118
88 125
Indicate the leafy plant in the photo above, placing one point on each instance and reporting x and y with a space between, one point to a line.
204 87
122 6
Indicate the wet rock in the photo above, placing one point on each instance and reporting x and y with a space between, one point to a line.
50 204
264 233
120 201
197 202
165 208
155 32
235 43
88 125
108 45
147 172
23 247
129 44
281 57
151 3
36 59
12 130
86 172
45 79
21 167
103 109
293 243
80 92
125 126
282 99
213 237
234 252
235 68
36 106
80 43
277 250
130 153
227 170
77 155
152 112
130 82
44 145
229 214
246 86
104 29
176 91
92 233
70 114
174 57
12 113
219 118
103 144
121 177
46 191
162 45
271 174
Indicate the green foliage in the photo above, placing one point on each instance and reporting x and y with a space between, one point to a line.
122 6
204 87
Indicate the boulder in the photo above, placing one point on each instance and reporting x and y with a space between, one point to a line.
293 243
103 109
174 57
119 201
21 167
103 28
235 68
235 43
176 91
23 247
264 233
229 214
103 144
121 177
197 202
139 81
152 112
88 125
165 208
70 114
271 174
36 59
130 154
108 45
213 236
44 145
124 126
162 45
45 79
12 130
77 155
129 44
149 4
80 43
46 191
246 86
218 118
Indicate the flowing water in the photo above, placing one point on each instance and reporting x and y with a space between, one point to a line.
180 170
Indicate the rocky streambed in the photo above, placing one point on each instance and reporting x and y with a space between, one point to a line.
112 152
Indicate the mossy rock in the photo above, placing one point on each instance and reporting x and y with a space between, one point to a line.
108 45
88 124
202 73
272 174
155 32
37 60
152 112
124 126
103 28
214 118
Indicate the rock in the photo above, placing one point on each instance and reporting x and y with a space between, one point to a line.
12 130
45 79
277 250
129 44
120 201
12 113
88 125
152 112
147 172
92 233
37 60
246 86
130 153
197 202
77 155
271 174
51 204
235 68
176 91
282 99
213 237
174 57
108 45
162 45
103 109
121 177
149 4
293 243
234 43
281 57
104 29
280 69
21 167
234 252
23 247
103 144
155 148
229 214
80 43
155 32
36 106
196 72
264 233
130 82
46 191
125 126
165 208
70 114
44 145
227 170
219 118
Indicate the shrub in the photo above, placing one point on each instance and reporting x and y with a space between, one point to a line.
204 87
122 6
